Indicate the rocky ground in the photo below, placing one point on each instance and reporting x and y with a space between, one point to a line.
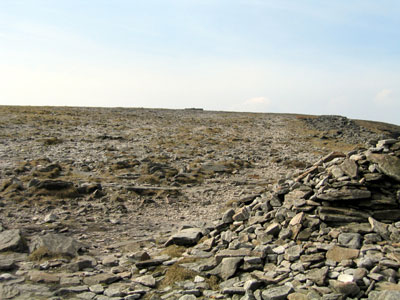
89 199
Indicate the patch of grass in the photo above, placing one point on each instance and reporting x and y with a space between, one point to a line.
10 186
311 138
188 260
173 251
203 239
195 177
71 192
176 273
294 163
150 179
213 282
380 127
52 141
42 254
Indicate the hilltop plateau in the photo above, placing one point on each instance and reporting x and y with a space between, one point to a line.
266 206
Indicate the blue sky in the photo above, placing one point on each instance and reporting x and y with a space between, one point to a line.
314 57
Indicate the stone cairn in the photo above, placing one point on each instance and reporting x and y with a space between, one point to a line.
331 233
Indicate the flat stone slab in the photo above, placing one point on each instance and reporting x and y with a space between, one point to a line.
232 253
43 277
392 215
146 280
277 293
104 278
338 254
312 258
149 263
296 194
185 237
343 194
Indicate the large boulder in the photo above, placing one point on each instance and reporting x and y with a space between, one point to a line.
387 164
55 244
11 240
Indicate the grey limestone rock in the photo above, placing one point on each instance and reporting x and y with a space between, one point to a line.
350 240
318 275
312 258
387 164
336 171
242 214
339 254
71 289
110 261
115 291
273 229
50 218
8 291
103 278
367 262
350 168
277 293
188 297
227 216
380 228
57 244
150 263
300 193
345 288
86 296
227 268
7 264
340 215
11 240
82 262
135 296
97 289
185 237
293 253
233 290
384 295
343 194
146 280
